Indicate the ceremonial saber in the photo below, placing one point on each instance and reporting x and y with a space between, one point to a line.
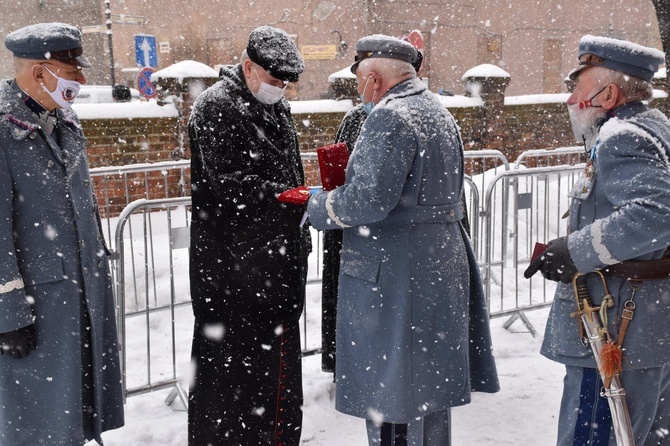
590 328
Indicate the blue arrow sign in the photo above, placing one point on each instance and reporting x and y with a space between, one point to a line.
145 51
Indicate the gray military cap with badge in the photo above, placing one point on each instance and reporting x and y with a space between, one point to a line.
379 45
274 51
48 41
619 55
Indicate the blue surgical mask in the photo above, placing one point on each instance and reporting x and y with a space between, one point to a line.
367 106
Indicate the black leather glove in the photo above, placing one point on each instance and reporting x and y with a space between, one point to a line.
554 263
18 343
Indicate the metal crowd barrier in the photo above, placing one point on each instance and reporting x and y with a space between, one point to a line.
150 261
551 157
522 207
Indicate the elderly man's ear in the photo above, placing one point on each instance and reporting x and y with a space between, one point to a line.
612 97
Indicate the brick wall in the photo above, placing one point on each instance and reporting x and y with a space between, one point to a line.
122 142
512 129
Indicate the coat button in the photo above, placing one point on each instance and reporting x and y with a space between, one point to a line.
33 135
452 212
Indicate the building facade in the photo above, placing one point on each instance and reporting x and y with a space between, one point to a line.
534 41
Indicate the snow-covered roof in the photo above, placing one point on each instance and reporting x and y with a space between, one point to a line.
661 73
143 109
185 69
321 106
485 70
528 99
344 73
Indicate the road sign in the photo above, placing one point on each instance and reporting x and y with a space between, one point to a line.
94 29
144 84
145 51
128 19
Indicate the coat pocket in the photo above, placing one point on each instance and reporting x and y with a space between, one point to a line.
360 266
42 271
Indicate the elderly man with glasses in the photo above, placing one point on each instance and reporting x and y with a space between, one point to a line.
248 251
60 381
615 259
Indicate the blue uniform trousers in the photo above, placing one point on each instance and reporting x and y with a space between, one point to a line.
585 418
433 429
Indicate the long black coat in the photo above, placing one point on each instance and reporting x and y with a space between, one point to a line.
248 251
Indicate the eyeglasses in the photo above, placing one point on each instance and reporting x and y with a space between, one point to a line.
70 69
591 59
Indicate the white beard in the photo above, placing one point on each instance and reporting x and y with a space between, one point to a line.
585 123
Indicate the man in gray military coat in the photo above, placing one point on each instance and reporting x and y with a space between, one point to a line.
412 326
60 381
619 238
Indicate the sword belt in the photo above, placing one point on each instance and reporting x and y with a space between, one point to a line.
648 270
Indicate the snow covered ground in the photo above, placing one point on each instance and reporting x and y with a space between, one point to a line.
523 413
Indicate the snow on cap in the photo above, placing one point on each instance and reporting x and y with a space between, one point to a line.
619 55
274 50
379 45
48 41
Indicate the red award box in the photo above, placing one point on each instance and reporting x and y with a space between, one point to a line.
297 195
332 164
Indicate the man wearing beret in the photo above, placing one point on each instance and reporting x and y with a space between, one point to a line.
248 252
412 324
60 381
618 240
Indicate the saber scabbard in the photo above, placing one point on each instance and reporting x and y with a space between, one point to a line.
592 331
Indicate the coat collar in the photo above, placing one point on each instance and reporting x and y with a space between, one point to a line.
14 111
22 123
628 110
232 77
409 87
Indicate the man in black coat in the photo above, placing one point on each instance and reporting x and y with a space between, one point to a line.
248 252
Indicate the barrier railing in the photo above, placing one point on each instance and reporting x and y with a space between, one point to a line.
522 207
150 262
551 157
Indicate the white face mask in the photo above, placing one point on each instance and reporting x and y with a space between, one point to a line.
66 91
268 94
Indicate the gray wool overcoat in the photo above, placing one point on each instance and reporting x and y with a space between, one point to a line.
618 213
412 324
53 273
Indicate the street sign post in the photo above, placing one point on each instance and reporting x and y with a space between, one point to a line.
145 51
128 19
144 84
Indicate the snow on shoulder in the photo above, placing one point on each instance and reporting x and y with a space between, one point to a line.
185 69
485 70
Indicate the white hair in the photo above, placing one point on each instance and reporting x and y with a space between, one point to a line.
390 68
632 87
